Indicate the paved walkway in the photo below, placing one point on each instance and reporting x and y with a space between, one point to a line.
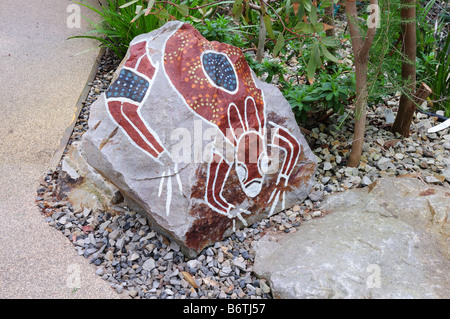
41 78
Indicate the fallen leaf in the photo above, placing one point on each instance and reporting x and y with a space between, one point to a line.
188 277
295 5
327 27
390 143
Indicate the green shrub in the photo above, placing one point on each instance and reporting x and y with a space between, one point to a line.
123 20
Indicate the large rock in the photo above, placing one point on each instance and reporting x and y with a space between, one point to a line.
388 240
190 136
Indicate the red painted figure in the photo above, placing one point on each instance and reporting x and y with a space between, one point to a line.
127 94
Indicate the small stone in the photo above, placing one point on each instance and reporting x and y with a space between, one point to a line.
399 156
327 166
225 271
142 220
384 163
423 165
174 246
366 181
240 263
325 179
109 255
193 263
446 174
86 212
432 179
315 196
134 256
317 213
98 262
265 288
63 220
168 256
149 264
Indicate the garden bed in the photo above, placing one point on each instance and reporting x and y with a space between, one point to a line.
138 261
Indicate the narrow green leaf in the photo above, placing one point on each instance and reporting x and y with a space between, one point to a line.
268 24
316 53
208 13
279 45
328 55
308 5
182 9
313 15
301 11
311 68
137 16
164 15
237 9
330 41
128 4
149 6
288 7
195 19
326 3
303 27
318 27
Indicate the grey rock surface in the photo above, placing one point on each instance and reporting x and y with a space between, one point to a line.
388 240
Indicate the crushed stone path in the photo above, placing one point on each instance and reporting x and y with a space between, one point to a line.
42 77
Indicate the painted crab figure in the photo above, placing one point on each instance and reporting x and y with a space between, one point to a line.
215 82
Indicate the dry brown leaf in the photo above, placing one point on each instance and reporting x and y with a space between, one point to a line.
188 277
390 143
327 27
295 5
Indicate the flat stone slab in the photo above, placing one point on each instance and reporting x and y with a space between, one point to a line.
388 240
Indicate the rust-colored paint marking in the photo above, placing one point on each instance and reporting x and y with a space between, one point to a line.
428 192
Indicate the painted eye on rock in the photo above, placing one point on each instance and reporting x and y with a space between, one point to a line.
219 71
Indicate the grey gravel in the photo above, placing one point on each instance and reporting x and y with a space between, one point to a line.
133 257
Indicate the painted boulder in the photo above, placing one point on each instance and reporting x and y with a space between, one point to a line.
190 136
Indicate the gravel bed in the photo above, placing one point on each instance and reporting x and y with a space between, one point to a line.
145 265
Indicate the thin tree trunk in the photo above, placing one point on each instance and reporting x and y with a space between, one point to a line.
407 107
329 19
361 50
360 114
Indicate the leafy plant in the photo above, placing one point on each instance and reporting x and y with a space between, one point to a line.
333 90
441 84
433 61
300 98
267 68
291 20
122 20
221 28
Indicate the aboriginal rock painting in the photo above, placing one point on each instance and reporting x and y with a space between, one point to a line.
215 82
128 93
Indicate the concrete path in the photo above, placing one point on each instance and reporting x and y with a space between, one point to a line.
41 78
